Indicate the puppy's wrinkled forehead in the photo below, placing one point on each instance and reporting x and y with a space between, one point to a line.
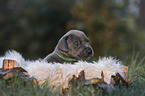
78 34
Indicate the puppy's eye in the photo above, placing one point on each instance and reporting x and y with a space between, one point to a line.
76 44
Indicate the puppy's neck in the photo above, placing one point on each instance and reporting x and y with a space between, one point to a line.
64 58
58 57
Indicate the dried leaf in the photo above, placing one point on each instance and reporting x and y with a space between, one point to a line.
102 75
81 76
35 82
97 80
8 76
125 68
81 79
73 81
118 80
77 81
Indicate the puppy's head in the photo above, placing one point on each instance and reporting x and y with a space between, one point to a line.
75 44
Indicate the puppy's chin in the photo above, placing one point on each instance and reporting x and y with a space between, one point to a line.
84 56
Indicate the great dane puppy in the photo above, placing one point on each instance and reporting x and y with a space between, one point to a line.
73 46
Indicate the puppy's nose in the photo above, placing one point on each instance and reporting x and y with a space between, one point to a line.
89 50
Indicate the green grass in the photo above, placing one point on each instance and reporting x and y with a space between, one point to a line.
137 88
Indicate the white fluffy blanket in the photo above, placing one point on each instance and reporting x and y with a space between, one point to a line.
43 70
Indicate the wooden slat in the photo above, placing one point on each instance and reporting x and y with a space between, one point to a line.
8 64
5 65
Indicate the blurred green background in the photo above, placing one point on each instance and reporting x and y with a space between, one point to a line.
33 27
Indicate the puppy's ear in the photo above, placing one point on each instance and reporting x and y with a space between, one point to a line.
63 44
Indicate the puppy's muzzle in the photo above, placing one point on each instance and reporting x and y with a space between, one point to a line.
87 53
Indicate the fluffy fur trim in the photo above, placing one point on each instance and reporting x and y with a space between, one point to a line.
51 71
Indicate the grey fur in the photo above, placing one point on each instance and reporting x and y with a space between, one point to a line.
74 44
